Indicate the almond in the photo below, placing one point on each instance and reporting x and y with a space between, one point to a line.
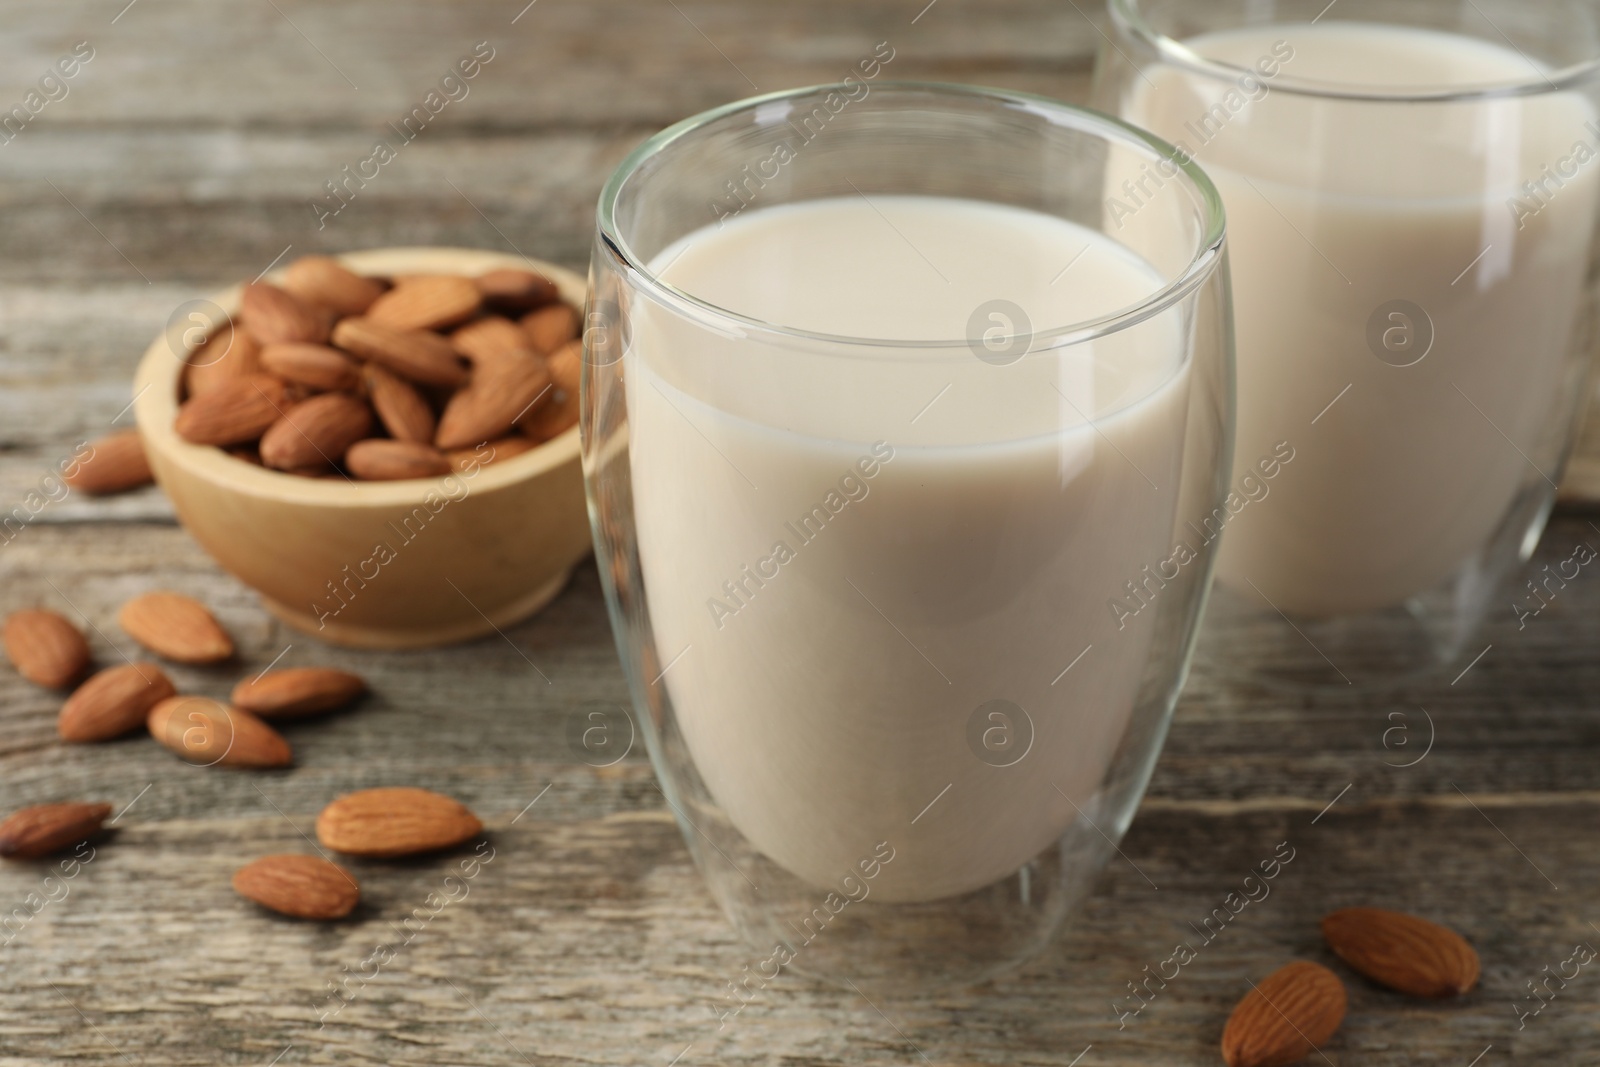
416 355
517 291
384 823
1403 952
551 420
208 733
274 316
316 432
566 366
39 831
302 887
116 463
45 648
297 691
232 412
321 280
227 354
1289 1015
551 327
427 302
378 460
176 627
490 338
317 366
401 409
500 393
113 702
465 459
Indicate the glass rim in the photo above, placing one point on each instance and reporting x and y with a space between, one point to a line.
1130 18
1201 265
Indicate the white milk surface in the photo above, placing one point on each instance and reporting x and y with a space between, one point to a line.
1336 209
847 549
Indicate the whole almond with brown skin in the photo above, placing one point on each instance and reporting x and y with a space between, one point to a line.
500 393
566 366
384 823
301 887
275 316
379 460
316 366
1290 1014
115 464
297 691
316 432
321 280
550 420
1403 952
45 648
503 448
227 354
488 339
208 733
517 291
39 831
551 327
232 412
176 627
400 407
416 355
427 302
113 702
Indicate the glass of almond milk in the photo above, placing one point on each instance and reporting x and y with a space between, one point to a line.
1411 190
880 422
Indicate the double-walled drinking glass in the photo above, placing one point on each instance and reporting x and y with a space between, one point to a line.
1411 188
902 574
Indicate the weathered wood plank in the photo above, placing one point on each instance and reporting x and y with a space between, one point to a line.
296 64
593 941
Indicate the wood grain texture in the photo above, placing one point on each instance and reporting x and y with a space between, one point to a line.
184 159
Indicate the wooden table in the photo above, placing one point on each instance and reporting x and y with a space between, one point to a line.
185 156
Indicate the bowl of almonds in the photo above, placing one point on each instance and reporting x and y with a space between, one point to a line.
384 445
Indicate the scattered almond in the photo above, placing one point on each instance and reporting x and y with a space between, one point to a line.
302 887
551 327
379 460
208 733
228 353
116 463
1290 1014
427 302
45 648
176 627
233 411
517 291
275 316
297 691
1403 952
322 280
419 356
401 409
316 366
385 823
39 831
501 392
113 702
316 433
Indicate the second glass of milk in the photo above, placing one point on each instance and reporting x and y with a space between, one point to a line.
883 428
1411 189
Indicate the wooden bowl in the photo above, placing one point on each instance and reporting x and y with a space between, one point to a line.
378 564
